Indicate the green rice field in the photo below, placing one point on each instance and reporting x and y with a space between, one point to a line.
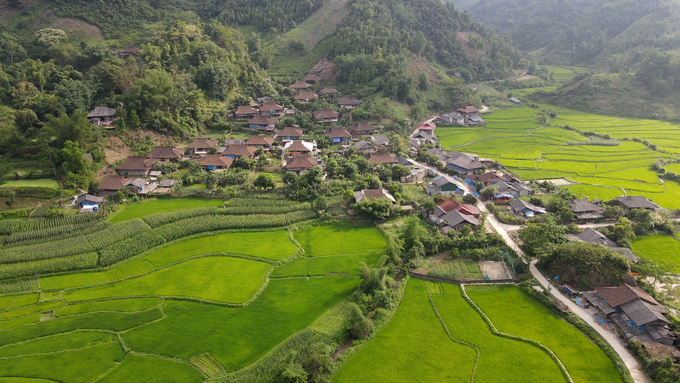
418 332
42 183
515 139
340 239
161 206
660 249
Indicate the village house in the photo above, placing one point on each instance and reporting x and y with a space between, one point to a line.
329 92
464 165
636 202
451 204
129 50
299 85
312 78
361 129
594 236
165 154
216 162
270 108
262 123
373 144
526 209
427 127
339 135
634 312
135 166
373 194
455 220
89 203
164 186
298 147
468 111
201 145
442 185
305 97
290 133
451 118
382 158
584 209
260 141
515 100
238 151
514 188
419 138
245 112
300 164
110 185
475 121
349 103
141 186
488 178
326 116
101 116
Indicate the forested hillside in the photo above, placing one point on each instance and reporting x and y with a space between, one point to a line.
585 31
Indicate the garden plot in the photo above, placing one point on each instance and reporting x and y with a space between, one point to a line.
457 269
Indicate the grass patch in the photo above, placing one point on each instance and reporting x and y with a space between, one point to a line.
239 280
660 249
135 368
163 205
340 239
237 337
514 312
334 264
413 347
273 245
42 183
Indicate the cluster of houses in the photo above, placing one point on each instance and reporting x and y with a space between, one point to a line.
453 215
467 116
584 209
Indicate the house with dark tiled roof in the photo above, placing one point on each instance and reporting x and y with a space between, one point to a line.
201 145
260 141
299 85
442 185
594 236
329 92
468 111
526 209
290 133
312 78
584 209
305 96
451 204
382 158
339 135
326 115
514 188
455 219
296 147
270 108
89 203
101 116
373 194
165 154
238 151
349 103
135 166
636 202
262 123
216 162
110 185
299 164
129 50
361 129
464 165
634 312
245 112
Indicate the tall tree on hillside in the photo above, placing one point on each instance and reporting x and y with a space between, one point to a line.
74 128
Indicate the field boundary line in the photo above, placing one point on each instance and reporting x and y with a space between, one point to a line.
54 352
545 348
58 334
116 365
478 352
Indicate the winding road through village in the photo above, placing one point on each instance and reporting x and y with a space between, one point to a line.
608 334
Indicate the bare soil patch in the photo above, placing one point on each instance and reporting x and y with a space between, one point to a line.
72 25
324 69
417 66
526 77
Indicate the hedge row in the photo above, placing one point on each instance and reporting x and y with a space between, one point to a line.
24 269
26 238
10 226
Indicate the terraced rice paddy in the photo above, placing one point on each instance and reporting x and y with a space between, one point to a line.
177 313
340 239
514 138
418 332
163 205
660 249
